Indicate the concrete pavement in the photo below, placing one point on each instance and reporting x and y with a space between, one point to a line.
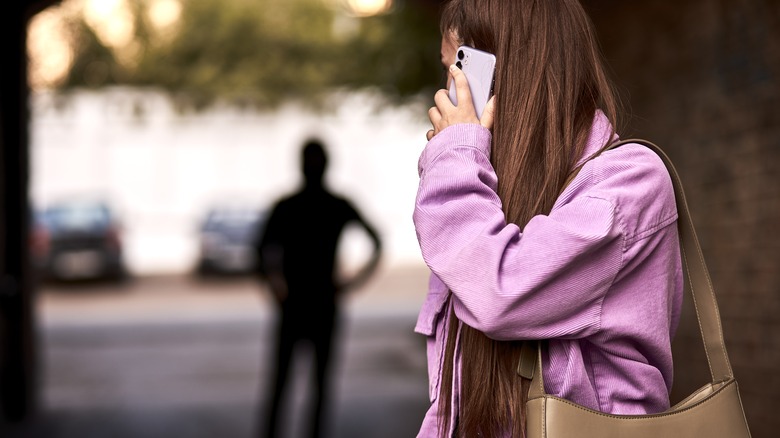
179 357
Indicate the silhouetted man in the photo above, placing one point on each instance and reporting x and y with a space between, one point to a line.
298 259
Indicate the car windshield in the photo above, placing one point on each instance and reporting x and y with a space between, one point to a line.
231 218
77 216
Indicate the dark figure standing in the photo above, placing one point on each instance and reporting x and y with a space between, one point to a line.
298 259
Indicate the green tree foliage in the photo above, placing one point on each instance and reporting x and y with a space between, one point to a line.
263 52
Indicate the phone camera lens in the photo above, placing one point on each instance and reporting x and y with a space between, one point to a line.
461 55
459 65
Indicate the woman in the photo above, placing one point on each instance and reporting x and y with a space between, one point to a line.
532 233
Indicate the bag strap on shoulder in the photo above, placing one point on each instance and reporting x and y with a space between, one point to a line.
698 283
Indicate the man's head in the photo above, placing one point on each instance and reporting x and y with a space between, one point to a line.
314 161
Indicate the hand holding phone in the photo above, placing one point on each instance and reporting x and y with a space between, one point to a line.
479 68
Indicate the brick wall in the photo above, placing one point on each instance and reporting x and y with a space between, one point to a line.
702 78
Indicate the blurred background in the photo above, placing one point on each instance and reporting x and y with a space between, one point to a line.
161 132
144 141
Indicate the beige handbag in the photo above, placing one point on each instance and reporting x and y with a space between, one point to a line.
713 411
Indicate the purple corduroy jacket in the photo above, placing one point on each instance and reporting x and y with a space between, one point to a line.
599 277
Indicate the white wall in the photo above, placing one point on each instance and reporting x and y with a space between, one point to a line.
161 169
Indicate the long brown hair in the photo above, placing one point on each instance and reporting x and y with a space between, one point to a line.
550 81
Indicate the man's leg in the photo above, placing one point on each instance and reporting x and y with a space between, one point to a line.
323 346
285 342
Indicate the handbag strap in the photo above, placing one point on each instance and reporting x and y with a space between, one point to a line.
699 284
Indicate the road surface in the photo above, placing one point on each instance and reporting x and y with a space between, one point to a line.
187 358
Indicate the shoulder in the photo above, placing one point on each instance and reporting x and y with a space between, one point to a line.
337 205
345 206
636 166
284 203
286 206
335 199
635 180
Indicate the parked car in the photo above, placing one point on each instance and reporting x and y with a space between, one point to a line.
227 236
77 241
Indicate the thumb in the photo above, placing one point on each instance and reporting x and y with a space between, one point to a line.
488 113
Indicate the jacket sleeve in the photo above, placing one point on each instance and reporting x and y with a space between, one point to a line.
547 281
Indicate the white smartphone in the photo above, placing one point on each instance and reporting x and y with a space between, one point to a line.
479 68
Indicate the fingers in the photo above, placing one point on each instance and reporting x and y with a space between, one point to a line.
488 113
442 101
445 113
434 114
461 86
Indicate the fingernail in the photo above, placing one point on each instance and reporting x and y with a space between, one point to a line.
453 67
